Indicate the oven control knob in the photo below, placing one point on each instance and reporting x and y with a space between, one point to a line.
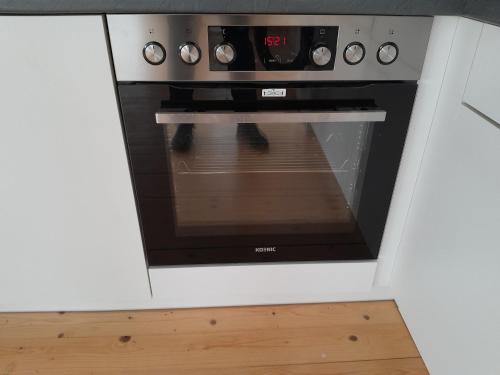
321 55
225 53
387 53
154 53
190 53
354 53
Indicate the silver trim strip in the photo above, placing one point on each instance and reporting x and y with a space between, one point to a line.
164 117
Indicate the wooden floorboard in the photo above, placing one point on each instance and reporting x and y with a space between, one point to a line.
340 338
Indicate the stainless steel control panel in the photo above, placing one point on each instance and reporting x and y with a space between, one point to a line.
149 48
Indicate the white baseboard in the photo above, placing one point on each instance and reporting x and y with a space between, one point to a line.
206 286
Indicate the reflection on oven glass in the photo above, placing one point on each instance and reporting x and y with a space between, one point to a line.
247 133
247 179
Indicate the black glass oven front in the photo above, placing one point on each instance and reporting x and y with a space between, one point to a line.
246 174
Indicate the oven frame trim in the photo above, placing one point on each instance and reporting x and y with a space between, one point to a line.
394 97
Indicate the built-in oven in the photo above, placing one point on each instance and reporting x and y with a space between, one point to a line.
265 138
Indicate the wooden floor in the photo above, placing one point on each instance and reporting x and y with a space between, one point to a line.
368 338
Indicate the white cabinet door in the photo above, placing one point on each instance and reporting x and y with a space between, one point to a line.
69 234
447 278
483 87
449 286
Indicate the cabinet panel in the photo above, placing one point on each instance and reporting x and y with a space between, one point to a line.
449 286
69 235
447 280
483 87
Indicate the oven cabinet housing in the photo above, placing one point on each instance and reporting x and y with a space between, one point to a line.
70 237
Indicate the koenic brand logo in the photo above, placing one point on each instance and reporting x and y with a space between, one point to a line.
270 249
273 93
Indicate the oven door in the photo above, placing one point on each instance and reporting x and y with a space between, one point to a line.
227 173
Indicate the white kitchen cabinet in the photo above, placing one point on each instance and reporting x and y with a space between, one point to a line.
447 279
69 235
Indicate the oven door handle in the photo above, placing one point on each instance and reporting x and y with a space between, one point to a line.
275 117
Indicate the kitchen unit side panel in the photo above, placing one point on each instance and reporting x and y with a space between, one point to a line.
69 234
429 88
447 278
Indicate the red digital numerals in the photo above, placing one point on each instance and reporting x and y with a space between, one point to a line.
274 40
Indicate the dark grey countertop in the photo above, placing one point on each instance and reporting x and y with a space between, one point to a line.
483 10
486 10
400 7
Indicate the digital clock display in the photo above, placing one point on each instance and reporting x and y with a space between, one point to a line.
275 40
280 45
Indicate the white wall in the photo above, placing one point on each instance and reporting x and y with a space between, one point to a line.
69 236
447 278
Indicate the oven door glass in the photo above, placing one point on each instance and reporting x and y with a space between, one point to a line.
266 178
